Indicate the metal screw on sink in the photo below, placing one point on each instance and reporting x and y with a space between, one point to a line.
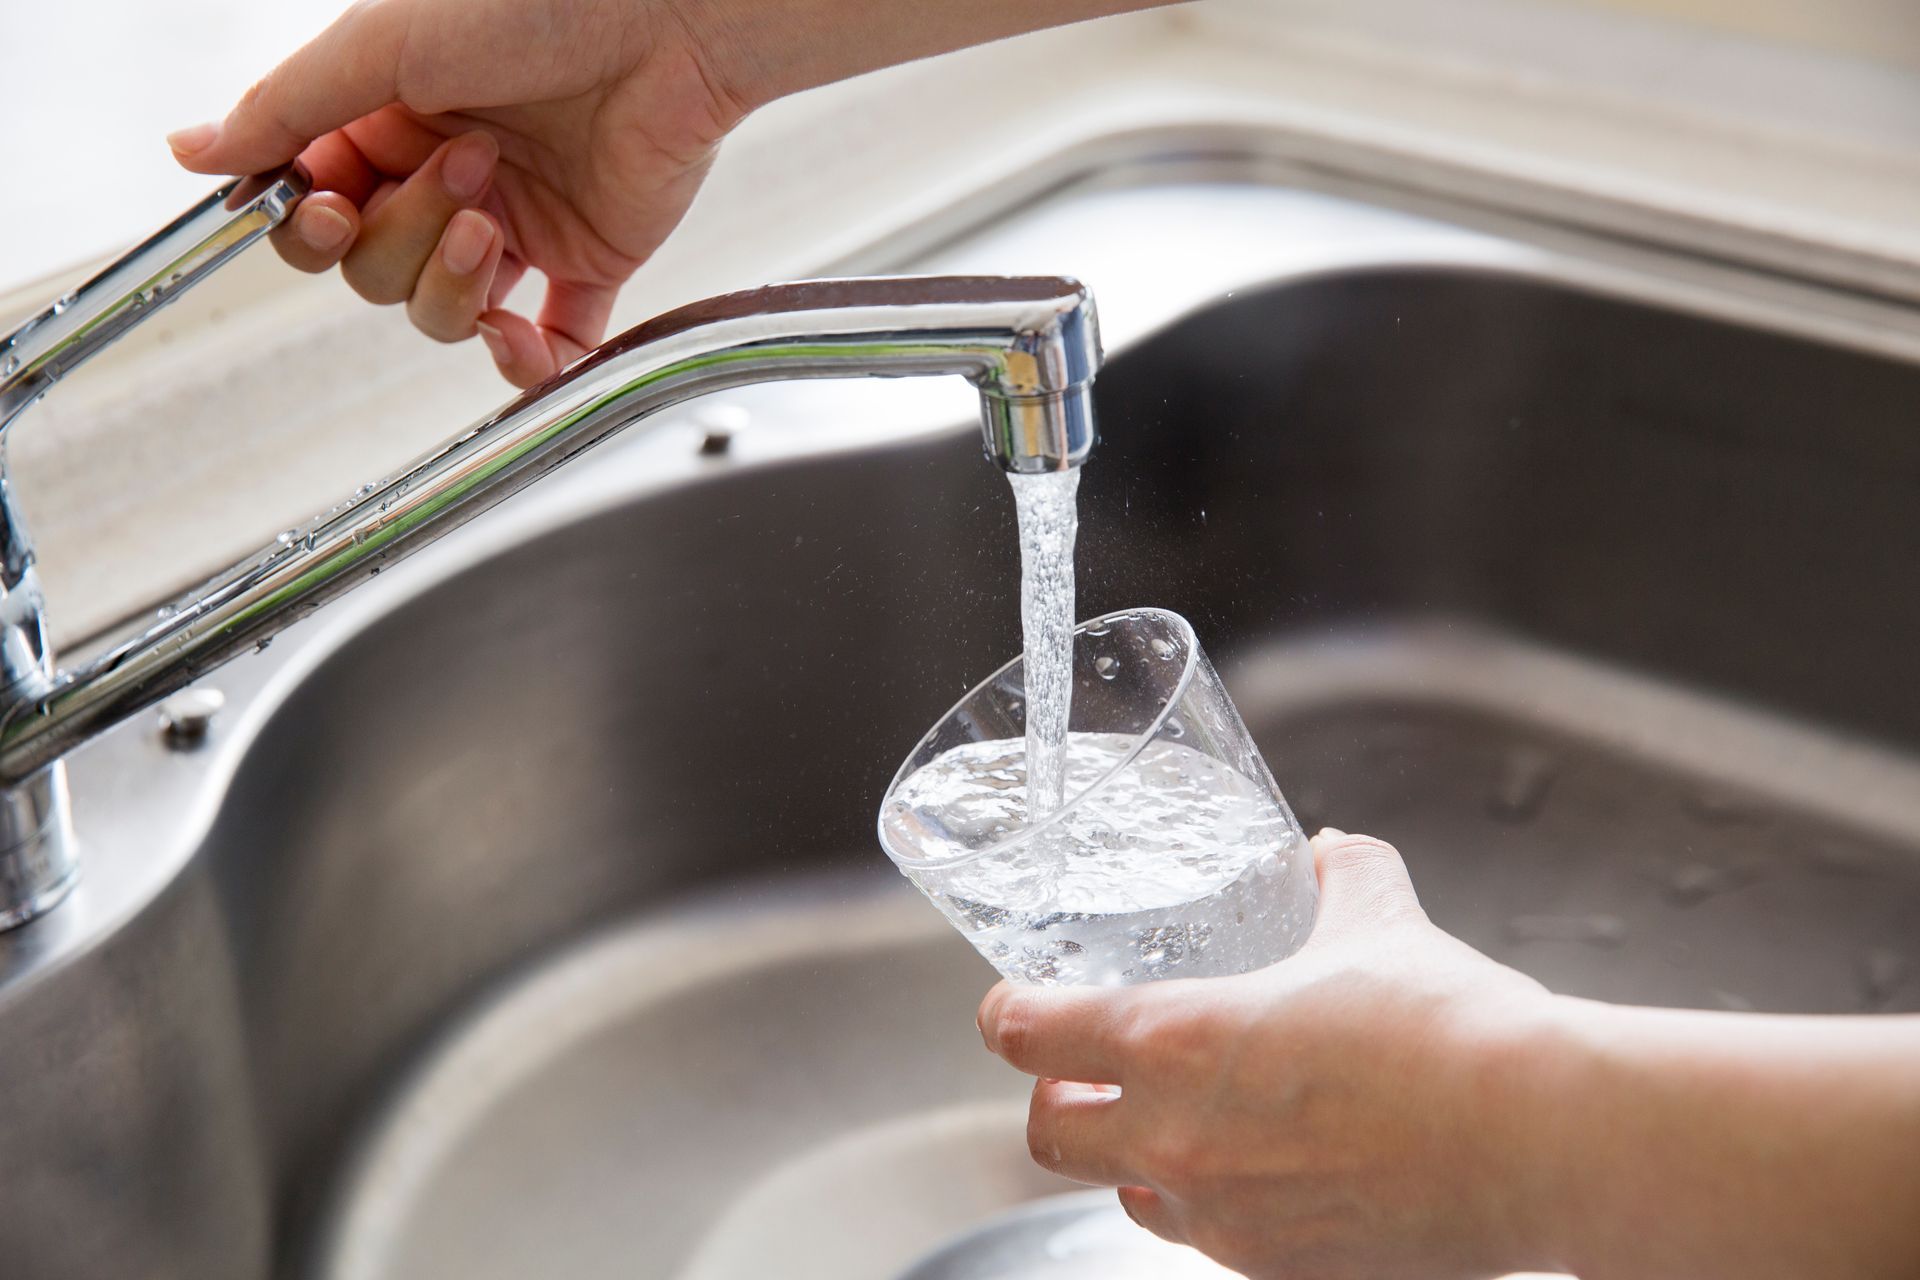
718 424
186 716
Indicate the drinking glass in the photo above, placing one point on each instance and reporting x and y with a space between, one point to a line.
1172 855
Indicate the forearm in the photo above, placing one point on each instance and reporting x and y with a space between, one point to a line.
763 51
1701 1145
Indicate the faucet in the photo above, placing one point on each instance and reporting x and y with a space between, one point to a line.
1029 344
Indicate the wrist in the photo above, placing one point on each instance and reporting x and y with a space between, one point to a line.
1529 1105
756 53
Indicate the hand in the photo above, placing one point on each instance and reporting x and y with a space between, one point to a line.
454 144
1343 1113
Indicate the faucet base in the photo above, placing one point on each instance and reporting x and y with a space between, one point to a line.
37 864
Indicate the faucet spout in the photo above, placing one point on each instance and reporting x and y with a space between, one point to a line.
1029 344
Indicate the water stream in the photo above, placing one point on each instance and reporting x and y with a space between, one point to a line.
1048 510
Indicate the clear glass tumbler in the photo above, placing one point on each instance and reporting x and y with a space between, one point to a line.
1173 855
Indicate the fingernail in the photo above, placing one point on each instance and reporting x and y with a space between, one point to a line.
322 228
468 165
193 139
496 342
1332 833
468 238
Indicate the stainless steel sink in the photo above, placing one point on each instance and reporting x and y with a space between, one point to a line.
568 951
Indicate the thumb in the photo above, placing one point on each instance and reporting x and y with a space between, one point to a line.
1363 885
349 70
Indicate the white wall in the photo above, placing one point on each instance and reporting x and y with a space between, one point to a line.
88 91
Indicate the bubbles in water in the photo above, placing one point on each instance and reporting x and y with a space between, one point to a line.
1107 666
1164 946
1177 860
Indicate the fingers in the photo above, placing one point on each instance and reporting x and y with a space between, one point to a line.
1077 1131
319 233
572 321
401 232
1363 882
349 70
1150 1210
452 289
1065 1033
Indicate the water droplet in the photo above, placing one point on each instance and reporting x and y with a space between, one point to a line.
1270 864
286 536
1175 729
1882 970
11 367
1525 778
1106 666
363 490
1598 929
166 611
1692 883
64 301
1162 648
260 646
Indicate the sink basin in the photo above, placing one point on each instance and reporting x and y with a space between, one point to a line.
523 915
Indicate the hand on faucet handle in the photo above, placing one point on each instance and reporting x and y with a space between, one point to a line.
456 144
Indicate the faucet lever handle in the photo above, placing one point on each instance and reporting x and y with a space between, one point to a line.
141 281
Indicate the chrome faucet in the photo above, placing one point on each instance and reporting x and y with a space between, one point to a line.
1029 344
